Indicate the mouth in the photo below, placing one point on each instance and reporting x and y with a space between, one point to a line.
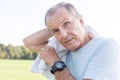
68 42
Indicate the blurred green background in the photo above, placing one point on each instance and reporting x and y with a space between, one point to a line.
18 70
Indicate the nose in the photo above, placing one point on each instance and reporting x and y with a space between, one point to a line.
63 33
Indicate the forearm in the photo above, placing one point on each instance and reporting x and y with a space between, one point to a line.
37 40
64 75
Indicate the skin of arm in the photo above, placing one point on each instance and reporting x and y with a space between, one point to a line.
49 55
67 75
37 40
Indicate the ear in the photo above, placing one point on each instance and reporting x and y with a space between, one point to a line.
81 20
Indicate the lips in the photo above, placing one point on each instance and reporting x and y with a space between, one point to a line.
68 41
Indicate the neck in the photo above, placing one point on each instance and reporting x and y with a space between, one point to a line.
88 37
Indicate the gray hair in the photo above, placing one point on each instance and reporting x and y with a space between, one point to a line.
69 7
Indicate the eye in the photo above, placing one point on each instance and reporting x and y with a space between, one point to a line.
66 24
56 30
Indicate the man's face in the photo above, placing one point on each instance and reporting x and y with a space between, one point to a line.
67 29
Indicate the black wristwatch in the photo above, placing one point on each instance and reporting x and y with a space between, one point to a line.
58 66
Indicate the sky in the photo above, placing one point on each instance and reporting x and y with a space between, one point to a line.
20 18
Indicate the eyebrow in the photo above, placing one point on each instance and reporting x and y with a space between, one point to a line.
62 21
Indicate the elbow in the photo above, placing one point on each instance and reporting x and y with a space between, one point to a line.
26 43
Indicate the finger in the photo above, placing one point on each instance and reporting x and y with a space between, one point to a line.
49 48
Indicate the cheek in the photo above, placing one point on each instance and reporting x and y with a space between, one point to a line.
74 32
74 29
58 39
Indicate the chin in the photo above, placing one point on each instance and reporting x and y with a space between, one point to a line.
73 48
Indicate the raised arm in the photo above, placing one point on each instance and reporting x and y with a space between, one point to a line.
38 39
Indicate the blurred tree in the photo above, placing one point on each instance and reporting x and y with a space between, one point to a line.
16 52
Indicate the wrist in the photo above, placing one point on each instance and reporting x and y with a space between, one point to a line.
57 66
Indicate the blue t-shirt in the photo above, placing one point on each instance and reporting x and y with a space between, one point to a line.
97 60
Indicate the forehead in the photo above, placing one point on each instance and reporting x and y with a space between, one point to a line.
60 15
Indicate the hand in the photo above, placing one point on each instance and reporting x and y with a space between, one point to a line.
49 55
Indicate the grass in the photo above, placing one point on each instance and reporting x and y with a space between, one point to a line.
18 70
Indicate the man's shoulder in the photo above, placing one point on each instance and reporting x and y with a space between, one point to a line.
103 39
106 40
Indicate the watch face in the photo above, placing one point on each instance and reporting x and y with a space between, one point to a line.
59 65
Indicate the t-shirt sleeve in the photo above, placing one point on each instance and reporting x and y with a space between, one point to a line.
104 64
